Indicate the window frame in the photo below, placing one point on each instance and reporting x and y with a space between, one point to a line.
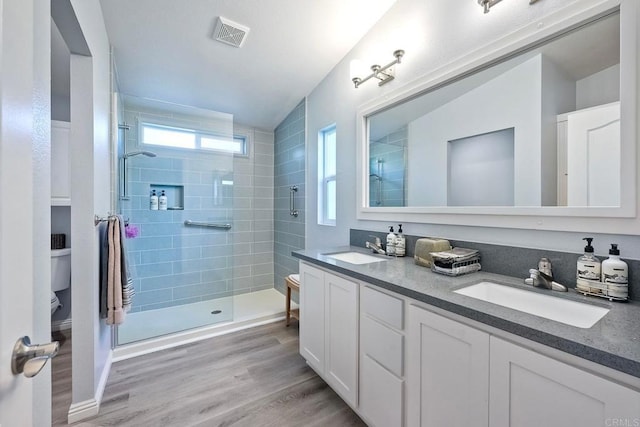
324 179
198 134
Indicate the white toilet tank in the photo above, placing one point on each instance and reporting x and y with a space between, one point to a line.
60 269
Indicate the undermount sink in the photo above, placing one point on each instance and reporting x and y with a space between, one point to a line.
355 257
548 306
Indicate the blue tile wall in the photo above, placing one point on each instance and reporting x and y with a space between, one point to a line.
388 156
173 264
289 170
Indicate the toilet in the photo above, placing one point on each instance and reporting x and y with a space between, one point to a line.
60 274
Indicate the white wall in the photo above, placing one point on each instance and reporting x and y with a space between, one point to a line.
558 96
90 110
502 103
599 88
438 33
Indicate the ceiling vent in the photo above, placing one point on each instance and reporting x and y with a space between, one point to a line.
230 32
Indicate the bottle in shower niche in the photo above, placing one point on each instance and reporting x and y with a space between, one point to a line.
588 270
153 201
401 243
162 201
615 274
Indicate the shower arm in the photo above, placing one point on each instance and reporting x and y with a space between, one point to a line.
124 157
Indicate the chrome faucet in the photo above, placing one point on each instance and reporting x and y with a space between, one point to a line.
375 247
542 277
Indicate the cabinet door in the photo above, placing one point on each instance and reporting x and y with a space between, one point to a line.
380 395
447 373
531 390
312 316
342 336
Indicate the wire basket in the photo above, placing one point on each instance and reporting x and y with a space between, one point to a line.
610 291
58 241
457 268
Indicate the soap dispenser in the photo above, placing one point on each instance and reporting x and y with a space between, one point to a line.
615 274
153 201
588 270
391 242
400 242
162 201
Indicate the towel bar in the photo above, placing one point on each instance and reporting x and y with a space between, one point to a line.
98 219
188 222
292 202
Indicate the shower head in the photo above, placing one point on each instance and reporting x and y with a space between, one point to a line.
137 153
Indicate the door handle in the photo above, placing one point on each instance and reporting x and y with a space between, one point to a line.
29 359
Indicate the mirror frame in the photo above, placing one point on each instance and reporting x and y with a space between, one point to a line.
618 220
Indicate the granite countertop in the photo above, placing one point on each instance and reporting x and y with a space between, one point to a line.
614 341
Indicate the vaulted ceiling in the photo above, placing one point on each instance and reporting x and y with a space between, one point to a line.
164 50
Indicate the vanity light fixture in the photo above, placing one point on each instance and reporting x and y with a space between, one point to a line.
385 73
487 4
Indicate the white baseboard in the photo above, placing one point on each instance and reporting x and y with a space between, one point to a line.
102 384
90 408
60 325
83 410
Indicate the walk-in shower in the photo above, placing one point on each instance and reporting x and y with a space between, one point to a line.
190 260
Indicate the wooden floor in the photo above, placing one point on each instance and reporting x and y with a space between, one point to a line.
61 379
254 377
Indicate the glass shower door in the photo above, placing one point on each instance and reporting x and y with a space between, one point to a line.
180 250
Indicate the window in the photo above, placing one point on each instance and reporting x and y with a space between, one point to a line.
175 137
327 176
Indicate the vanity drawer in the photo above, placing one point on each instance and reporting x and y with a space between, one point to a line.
388 309
382 344
381 395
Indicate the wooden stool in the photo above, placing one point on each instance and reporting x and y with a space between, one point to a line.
293 282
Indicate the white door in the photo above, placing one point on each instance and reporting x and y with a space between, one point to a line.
593 156
24 207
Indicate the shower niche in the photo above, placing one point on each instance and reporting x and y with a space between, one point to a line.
174 193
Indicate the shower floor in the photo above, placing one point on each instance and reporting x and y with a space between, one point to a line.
257 305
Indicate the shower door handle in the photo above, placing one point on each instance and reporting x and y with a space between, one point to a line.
29 359
292 201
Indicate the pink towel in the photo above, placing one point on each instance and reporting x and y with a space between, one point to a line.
115 312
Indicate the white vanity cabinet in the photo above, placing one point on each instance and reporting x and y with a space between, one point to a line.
382 341
329 328
448 372
529 389
60 165
459 376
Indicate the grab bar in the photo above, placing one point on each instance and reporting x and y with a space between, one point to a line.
207 224
292 202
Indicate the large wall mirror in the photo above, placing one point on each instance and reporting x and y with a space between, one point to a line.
540 130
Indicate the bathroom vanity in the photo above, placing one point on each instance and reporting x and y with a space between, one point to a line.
401 347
